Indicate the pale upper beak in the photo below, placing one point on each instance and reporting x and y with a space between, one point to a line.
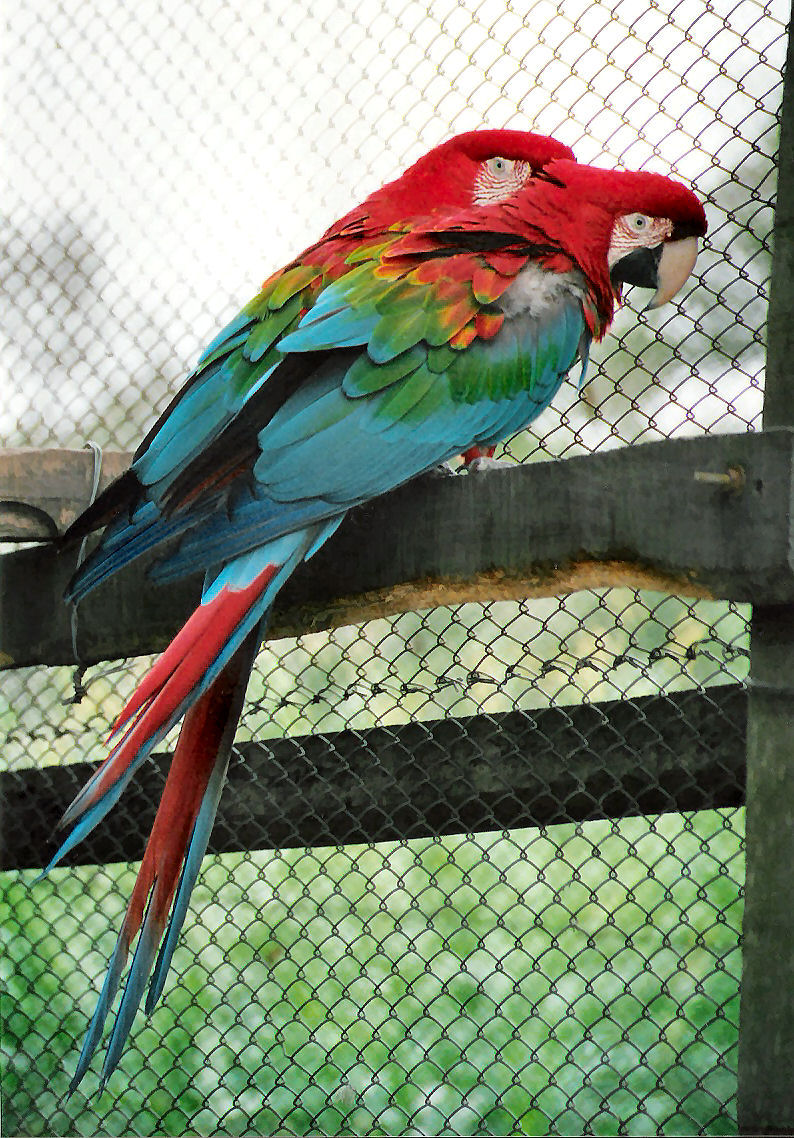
675 264
664 268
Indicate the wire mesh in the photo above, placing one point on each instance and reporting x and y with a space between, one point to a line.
578 978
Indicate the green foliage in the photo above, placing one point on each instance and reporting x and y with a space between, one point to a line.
585 978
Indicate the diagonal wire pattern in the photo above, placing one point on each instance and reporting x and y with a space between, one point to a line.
581 977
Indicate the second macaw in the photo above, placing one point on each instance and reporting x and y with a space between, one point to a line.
437 318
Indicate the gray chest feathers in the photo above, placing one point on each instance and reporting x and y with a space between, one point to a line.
537 293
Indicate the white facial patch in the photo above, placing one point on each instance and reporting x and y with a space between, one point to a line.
499 178
636 231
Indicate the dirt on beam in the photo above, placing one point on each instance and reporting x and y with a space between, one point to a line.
492 585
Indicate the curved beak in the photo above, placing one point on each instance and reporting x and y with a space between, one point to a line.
675 264
663 268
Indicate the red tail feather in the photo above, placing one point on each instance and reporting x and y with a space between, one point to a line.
197 643
177 672
199 741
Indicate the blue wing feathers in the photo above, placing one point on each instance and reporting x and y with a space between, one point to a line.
243 321
351 431
128 541
265 334
224 349
344 328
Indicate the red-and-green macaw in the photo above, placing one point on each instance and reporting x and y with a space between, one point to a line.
437 318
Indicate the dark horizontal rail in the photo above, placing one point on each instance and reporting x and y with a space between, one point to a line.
677 752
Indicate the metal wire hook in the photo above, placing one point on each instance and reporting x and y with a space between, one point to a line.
77 679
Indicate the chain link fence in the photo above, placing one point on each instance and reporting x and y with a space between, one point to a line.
578 978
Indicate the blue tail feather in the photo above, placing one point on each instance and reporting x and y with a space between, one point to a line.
106 997
133 990
195 853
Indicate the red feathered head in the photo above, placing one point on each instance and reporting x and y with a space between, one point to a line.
448 178
617 226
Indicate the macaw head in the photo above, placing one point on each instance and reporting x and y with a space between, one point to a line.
476 168
620 227
470 169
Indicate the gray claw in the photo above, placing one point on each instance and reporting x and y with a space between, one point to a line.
479 464
443 470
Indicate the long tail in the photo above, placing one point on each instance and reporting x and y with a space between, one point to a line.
173 856
202 675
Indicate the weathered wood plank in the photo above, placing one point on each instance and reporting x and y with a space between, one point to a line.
42 491
637 516
683 751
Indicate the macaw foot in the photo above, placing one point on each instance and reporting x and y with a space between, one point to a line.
485 462
474 452
475 459
478 458
443 470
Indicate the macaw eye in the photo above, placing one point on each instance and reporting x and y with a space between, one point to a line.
638 222
636 231
500 167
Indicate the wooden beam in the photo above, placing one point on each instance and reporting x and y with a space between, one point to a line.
641 516
683 751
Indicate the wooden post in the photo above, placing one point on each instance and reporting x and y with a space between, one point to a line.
766 1035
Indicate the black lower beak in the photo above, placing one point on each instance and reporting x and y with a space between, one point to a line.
664 268
640 267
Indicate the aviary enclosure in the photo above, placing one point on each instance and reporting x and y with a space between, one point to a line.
480 867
